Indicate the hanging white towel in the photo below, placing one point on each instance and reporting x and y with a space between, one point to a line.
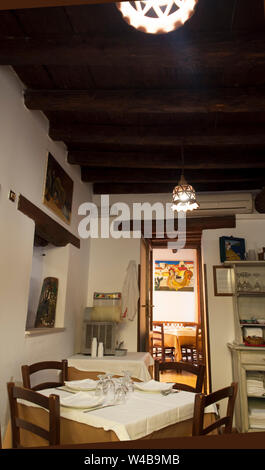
130 292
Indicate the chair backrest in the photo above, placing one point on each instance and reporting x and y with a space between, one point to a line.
158 339
51 403
202 401
197 370
27 371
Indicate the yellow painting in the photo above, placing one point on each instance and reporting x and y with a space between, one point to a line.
174 276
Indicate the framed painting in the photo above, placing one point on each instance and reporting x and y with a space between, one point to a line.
174 276
232 249
58 192
222 280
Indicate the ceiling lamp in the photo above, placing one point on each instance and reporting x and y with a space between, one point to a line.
157 16
184 196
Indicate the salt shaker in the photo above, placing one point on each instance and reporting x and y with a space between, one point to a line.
100 350
94 347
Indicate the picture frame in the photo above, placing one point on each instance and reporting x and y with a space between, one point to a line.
232 249
58 190
222 279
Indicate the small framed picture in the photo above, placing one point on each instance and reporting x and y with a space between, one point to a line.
222 279
232 249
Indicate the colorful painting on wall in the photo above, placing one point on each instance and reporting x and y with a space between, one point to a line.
174 276
47 304
58 193
232 249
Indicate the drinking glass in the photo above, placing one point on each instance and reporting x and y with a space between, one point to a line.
127 380
120 392
100 388
109 387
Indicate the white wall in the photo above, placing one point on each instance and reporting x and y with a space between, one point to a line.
175 306
221 322
24 145
107 269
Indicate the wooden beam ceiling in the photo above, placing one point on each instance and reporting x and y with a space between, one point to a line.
125 103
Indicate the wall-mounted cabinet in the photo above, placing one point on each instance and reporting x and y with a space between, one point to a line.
248 349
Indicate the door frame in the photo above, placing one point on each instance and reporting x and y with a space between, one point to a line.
201 304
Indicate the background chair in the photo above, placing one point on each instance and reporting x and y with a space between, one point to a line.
27 371
161 352
197 370
51 403
202 401
187 345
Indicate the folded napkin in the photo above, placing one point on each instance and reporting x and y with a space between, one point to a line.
81 400
82 385
153 386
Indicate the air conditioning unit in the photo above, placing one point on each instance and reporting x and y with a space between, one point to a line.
224 204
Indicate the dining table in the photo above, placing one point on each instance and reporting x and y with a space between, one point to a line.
172 335
143 415
139 364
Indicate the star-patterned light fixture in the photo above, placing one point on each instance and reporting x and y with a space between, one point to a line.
184 196
157 16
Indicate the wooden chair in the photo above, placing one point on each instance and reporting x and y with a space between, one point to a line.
160 350
202 401
51 403
197 370
187 348
27 371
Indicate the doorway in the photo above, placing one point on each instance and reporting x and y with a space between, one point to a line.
172 293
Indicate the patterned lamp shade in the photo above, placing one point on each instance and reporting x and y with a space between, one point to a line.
184 197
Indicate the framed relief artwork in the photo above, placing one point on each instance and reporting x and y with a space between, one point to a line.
222 280
232 249
174 276
58 192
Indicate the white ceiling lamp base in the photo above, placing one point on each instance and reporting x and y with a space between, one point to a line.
157 16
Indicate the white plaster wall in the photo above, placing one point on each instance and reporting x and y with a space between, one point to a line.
221 323
24 145
108 263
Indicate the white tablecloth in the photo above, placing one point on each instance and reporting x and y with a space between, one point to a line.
135 362
141 414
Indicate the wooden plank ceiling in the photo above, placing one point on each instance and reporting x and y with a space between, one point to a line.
125 102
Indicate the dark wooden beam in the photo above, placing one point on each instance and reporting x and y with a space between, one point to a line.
148 188
211 159
190 53
47 228
140 175
151 142
170 102
25 4
194 225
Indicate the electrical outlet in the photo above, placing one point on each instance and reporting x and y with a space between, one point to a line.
12 196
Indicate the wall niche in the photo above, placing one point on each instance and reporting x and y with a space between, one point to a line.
50 259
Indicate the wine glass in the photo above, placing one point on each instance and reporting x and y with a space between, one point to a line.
120 392
127 380
109 387
100 388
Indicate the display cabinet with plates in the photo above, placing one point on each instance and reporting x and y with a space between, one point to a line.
248 349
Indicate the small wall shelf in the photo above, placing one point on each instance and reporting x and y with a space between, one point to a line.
43 331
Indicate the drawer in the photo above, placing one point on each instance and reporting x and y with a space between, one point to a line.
253 357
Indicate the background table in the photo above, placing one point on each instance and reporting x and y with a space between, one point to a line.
138 363
171 339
